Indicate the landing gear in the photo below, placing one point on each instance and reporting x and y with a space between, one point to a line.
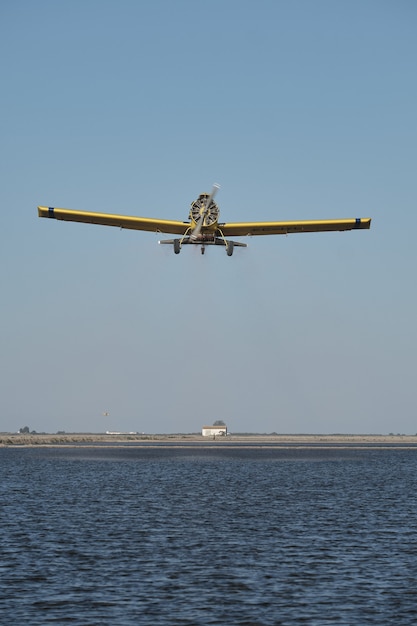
203 241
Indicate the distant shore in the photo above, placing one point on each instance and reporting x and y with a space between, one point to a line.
75 439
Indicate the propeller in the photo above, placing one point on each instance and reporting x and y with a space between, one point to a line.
197 230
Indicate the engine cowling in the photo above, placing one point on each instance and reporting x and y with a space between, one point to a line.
198 207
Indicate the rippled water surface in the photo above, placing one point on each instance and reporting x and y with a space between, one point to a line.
208 536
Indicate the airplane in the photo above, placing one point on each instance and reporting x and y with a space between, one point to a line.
203 227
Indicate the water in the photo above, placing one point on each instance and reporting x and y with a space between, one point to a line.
189 535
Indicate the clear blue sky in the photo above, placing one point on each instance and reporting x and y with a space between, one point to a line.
299 110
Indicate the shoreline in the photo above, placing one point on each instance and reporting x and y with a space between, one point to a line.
79 439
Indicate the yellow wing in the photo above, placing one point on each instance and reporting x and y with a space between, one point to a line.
241 229
122 221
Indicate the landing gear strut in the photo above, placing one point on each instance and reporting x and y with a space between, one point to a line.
203 242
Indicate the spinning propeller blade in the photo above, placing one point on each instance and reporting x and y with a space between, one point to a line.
197 230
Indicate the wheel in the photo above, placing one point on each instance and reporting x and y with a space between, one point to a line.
177 246
229 248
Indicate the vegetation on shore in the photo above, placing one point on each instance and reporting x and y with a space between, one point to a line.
43 439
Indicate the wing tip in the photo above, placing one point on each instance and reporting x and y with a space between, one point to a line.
45 211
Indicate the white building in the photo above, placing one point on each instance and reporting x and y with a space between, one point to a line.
213 431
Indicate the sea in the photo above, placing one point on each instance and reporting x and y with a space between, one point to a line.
208 534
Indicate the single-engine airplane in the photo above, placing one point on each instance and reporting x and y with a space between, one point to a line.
203 227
